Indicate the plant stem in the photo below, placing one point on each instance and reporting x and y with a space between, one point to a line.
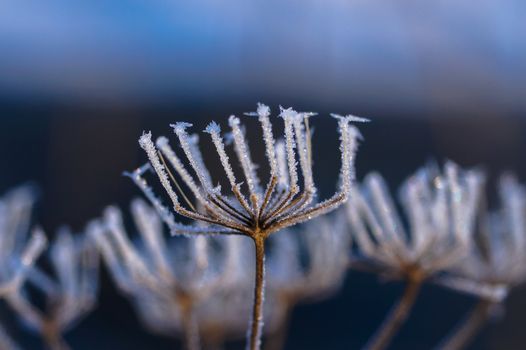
396 317
256 326
190 326
466 330
53 338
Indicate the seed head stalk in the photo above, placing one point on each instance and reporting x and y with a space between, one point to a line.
52 336
469 327
397 316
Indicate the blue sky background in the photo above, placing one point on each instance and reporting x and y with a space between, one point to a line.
402 54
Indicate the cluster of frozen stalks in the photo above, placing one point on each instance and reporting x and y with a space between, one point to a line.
235 261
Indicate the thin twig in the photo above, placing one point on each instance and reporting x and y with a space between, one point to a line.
257 311
190 325
52 337
468 328
396 317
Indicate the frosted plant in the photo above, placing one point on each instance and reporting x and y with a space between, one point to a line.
324 244
167 282
441 211
496 262
69 296
17 252
260 211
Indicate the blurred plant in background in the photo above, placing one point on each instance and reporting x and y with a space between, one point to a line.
17 253
68 297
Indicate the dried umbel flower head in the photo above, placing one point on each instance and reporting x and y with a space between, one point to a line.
166 282
259 211
17 252
69 296
441 211
496 261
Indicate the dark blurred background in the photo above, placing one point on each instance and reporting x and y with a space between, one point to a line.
80 81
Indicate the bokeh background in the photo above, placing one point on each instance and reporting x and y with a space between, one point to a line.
81 80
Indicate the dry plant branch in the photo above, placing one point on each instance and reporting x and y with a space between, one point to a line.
251 210
469 327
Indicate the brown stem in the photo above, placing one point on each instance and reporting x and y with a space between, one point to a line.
256 326
396 317
52 337
468 328
190 326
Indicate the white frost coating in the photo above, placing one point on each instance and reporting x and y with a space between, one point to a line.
283 174
415 200
166 215
346 156
496 293
145 141
150 227
302 142
200 249
514 202
351 118
168 152
214 130
385 209
288 116
243 153
113 221
116 266
72 292
17 253
349 136
263 113
440 209
200 277
496 260
36 245
193 142
188 147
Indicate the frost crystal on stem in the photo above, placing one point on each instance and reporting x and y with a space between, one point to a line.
259 211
